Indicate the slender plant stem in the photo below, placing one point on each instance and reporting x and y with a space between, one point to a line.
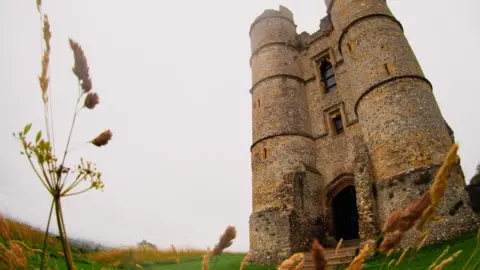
68 140
49 188
63 235
46 235
470 259
74 184
76 193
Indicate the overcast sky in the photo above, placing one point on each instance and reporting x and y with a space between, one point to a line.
173 82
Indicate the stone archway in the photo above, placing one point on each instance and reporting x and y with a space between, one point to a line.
340 207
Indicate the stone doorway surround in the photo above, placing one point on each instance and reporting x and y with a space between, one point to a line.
334 188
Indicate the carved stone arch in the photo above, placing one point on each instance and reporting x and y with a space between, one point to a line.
331 190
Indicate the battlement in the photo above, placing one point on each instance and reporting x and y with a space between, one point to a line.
282 12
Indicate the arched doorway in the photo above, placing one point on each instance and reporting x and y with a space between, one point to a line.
345 215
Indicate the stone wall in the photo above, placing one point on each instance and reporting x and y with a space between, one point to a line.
394 138
398 191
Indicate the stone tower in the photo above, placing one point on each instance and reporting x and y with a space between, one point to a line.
346 129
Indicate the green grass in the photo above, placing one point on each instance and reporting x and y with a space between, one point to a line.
429 254
226 261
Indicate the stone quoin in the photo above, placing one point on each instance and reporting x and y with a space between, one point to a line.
346 129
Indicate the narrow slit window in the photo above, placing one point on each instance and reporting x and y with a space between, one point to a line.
328 76
338 123
387 69
350 47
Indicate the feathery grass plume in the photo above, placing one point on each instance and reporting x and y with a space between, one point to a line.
318 256
300 265
291 262
357 262
414 211
404 219
447 260
43 78
177 257
39 5
91 100
245 261
61 254
80 68
390 252
437 190
138 266
403 255
339 245
391 241
4 231
391 225
225 240
206 260
103 138
439 258
17 255
391 262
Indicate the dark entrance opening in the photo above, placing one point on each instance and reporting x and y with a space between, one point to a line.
345 215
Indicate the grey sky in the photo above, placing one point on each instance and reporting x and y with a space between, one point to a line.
173 82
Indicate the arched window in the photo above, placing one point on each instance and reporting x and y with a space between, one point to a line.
328 76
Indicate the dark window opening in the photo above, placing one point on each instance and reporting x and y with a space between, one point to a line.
265 153
387 69
328 76
338 124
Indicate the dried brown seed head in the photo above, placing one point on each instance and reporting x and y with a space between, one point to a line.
415 210
391 225
17 255
91 100
4 231
206 260
245 261
103 138
318 256
357 262
225 240
80 68
289 263
391 241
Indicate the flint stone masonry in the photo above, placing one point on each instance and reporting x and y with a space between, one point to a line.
391 142
457 216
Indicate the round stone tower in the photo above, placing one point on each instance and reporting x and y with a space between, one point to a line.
282 142
402 125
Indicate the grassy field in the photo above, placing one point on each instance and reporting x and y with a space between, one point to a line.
429 254
226 261
154 259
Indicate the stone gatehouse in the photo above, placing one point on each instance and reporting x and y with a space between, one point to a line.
346 129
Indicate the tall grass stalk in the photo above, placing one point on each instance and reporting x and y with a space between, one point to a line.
40 152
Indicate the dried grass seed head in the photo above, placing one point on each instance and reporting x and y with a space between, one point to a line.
391 225
4 231
289 263
103 138
318 255
225 240
206 260
80 68
91 100
391 241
